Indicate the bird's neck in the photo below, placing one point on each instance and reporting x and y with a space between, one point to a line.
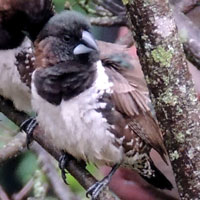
79 80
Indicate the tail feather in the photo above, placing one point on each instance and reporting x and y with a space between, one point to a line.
158 179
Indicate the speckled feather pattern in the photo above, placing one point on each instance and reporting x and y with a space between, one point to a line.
25 63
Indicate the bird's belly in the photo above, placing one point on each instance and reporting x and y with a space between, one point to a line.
88 129
77 128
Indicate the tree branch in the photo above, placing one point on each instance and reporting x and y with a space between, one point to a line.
108 21
81 174
61 190
24 191
3 195
15 147
184 6
190 37
172 90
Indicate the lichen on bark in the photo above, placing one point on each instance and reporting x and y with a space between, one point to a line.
162 56
171 89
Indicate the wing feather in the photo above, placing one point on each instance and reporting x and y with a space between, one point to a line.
131 99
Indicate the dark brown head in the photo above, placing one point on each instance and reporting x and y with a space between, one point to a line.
66 37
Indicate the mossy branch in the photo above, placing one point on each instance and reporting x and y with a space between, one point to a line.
172 91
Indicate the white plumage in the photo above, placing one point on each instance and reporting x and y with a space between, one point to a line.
82 131
11 86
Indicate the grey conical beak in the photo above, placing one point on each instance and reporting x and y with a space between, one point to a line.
87 44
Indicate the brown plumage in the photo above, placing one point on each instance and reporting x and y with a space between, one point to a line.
17 16
141 133
25 63
131 95
132 100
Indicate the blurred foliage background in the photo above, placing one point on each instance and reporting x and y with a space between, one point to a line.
15 173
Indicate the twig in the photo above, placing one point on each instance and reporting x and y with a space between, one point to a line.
3 195
61 190
24 191
111 6
108 21
185 6
81 174
15 147
98 10
190 35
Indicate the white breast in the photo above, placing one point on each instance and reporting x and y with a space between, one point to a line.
11 86
76 127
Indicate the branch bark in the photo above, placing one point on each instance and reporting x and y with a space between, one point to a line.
108 21
190 37
172 91
24 191
3 195
61 190
15 147
81 174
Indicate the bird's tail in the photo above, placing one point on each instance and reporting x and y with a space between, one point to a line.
158 179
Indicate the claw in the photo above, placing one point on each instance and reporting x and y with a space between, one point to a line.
95 189
28 126
63 160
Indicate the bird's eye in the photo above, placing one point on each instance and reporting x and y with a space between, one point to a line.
67 38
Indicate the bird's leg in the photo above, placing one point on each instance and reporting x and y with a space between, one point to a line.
63 160
95 189
28 126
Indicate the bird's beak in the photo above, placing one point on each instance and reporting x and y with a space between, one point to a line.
86 45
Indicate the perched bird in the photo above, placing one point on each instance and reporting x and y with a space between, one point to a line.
91 110
17 17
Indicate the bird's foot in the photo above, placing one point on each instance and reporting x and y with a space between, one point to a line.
28 126
95 189
63 161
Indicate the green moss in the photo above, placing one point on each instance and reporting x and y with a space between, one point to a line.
125 2
169 98
162 56
39 188
180 137
166 79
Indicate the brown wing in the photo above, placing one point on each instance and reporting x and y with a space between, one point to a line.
130 92
131 99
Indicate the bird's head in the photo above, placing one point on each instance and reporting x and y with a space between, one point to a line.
67 37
